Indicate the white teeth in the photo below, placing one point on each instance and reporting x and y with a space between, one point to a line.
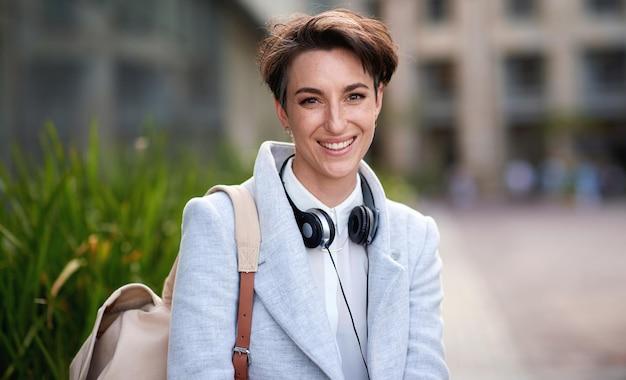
337 146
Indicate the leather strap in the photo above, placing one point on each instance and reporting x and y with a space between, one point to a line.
241 354
248 237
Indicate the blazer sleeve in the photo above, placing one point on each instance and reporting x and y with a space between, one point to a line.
202 328
425 355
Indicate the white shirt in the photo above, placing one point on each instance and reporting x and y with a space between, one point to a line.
352 264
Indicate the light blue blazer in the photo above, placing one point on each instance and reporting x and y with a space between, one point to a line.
291 337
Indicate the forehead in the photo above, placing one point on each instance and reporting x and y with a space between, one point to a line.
323 67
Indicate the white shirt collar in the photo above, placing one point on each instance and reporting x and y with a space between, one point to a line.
304 200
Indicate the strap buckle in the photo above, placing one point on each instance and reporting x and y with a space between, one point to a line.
243 351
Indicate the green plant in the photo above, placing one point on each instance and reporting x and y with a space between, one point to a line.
76 225
397 187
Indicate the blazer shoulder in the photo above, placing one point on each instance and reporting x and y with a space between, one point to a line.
216 206
401 214
207 220
411 228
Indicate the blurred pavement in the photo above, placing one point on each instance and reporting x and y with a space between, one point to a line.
534 291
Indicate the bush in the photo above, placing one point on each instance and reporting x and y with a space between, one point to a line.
75 226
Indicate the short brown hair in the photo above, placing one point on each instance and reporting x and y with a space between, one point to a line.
367 38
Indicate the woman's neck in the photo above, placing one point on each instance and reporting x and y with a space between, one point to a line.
330 191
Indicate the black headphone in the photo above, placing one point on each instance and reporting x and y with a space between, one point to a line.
317 228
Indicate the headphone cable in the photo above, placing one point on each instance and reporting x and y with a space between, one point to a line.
350 313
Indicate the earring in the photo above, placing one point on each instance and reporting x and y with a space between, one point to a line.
288 132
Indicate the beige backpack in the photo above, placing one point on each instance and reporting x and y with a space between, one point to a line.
130 336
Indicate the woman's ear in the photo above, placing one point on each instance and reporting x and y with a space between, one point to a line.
281 113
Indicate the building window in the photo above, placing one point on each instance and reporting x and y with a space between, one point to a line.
606 7
438 87
524 75
142 95
436 11
59 15
605 70
52 91
437 78
138 16
522 9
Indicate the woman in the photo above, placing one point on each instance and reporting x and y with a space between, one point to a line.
352 292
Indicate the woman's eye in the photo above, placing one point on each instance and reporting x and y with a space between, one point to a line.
308 101
355 97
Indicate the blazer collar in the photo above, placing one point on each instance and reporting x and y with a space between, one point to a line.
284 283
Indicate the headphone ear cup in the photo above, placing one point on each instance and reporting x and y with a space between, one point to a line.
311 229
327 227
317 228
359 224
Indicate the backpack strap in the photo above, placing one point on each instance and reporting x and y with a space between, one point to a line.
247 230
248 237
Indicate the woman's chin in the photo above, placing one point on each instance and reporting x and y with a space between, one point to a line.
341 170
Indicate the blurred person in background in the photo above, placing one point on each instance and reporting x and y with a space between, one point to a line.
520 179
462 187
612 179
587 184
553 177
348 284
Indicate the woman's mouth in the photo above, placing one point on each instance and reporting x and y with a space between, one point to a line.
338 147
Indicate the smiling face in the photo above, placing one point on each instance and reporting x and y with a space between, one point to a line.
331 109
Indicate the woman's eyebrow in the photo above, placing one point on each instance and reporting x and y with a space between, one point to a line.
348 88
308 89
354 86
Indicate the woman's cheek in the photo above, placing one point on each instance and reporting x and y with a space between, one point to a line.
311 119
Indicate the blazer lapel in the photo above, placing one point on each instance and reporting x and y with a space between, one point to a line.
285 287
388 299
284 283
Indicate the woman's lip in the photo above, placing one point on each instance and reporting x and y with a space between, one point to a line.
339 151
337 141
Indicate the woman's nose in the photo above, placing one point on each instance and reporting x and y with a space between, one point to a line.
335 122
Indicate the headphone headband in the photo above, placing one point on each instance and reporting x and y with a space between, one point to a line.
368 200
318 229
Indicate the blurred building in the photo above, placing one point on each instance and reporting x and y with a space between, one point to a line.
186 65
485 82
480 83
